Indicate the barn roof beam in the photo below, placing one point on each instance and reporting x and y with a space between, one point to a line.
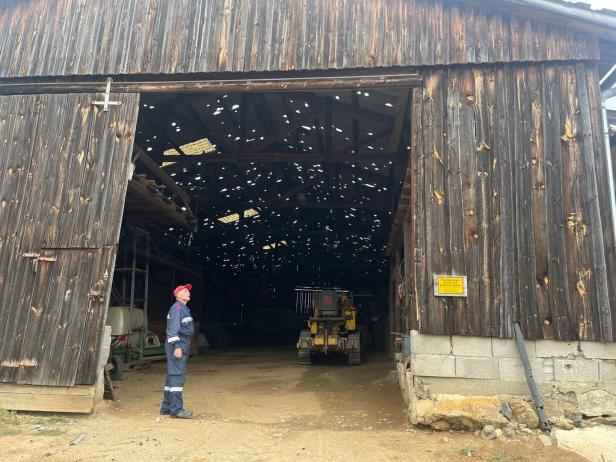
273 157
378 206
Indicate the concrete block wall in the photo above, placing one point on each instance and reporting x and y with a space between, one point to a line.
462 357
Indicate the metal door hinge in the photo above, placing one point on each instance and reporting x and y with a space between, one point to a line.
106 102
96 295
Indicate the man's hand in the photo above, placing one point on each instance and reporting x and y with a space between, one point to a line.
177 353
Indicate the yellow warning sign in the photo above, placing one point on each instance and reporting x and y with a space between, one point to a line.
447 285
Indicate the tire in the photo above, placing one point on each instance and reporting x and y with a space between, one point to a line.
354 358
355 355
118 368
303 357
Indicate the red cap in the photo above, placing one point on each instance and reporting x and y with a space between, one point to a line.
178 288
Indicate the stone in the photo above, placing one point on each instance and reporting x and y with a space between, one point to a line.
460 413
524 414
593 444
498 432
509 432
507 348
488 432
505 409
441 425
598 350
576 370
471 346
597 403
575 417
545 439
555 349
476 368
433 365
477 433
602 421
430 344
561 422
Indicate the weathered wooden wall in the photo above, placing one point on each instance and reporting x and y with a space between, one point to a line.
511 190
63 176
77 37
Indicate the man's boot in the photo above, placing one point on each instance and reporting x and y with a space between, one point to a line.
183 414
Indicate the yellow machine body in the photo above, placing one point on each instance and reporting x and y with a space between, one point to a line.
332 328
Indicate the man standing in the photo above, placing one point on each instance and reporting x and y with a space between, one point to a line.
180 330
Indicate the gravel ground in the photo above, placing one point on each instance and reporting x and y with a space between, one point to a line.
258 405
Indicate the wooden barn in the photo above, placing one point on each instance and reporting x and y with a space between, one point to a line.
268 146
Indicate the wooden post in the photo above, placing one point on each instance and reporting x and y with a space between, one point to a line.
391 313
408 270
397 319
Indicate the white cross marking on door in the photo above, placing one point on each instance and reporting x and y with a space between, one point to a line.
106 103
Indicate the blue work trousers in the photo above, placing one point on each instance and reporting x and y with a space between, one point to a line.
174 383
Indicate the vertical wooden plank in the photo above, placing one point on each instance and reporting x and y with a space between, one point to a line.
73 163
602 172
470 199
483 153
493 186
456 210
579 255
68 349
16 291
417 159
563 319
437 222
117 167
42 168
527 278
537 167
14 167
603 329
95 317
505 259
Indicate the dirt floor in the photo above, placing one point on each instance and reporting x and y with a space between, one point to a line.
257 406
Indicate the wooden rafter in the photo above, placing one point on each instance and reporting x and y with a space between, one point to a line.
288 204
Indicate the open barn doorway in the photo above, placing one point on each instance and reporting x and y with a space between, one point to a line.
260 200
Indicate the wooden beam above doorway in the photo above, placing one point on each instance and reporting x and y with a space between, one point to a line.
121 84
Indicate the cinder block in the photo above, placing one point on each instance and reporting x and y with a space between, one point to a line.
472 346
430 344
598 350
555 349
476 368
607 370
576 370
507 348
433 365
512 370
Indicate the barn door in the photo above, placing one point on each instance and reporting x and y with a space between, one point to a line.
63 175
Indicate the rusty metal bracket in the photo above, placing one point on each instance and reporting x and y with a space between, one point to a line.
96 295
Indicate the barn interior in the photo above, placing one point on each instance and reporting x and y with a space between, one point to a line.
255 198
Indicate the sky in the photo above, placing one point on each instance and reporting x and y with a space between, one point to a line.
598 4
609 4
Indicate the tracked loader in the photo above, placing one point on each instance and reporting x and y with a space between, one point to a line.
332 328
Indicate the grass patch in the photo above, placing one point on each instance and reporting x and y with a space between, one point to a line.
466 452
9 417
9 431
502 457
58 420
50 432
